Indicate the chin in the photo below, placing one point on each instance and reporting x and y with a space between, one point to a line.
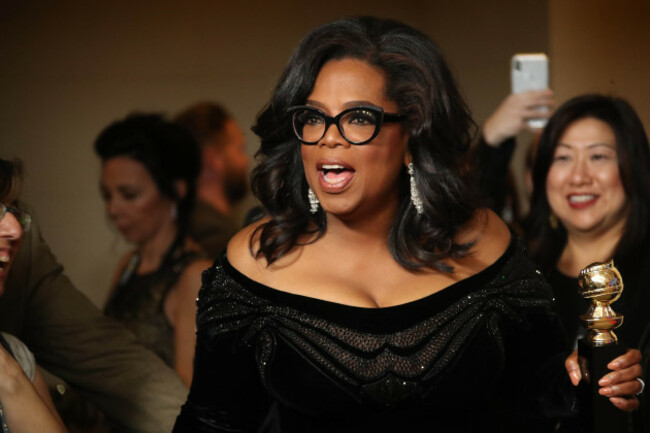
131 238
339 210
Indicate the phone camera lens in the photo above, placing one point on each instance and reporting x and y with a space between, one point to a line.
518 65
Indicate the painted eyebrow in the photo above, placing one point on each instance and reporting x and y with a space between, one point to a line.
349 104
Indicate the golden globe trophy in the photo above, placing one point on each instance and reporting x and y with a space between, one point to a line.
601 285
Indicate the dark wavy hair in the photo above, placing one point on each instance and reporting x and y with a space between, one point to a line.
633 152
437 118
168 152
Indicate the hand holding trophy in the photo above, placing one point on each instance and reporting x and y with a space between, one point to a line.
601 284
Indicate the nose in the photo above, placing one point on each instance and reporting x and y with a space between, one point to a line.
333 137
10 227
580 173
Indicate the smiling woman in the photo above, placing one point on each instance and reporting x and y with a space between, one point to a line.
13 220
25 403
591 203
592 182
374 296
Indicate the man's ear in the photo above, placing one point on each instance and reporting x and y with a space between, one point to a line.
211 158
181 188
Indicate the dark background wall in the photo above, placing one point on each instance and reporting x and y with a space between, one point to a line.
69 68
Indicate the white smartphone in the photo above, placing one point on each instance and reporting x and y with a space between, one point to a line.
529 71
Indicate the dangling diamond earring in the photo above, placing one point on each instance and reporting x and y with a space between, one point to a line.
313 201
415 195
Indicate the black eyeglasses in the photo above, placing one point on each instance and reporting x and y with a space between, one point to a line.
358 125
24 219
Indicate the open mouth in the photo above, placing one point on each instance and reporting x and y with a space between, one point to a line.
335 173
4 262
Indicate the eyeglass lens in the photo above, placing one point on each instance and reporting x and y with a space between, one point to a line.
24 219
356 126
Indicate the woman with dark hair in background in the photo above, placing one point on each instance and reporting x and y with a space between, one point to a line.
374 296
149 170
591 202
25 402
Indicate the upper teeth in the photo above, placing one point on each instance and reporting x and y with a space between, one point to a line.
4 259
581 198
332 167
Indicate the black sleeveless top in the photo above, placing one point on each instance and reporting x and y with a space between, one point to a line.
484 354
138 303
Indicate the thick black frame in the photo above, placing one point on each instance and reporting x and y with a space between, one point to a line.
382 117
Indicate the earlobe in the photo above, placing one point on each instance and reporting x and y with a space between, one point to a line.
407 158
212 159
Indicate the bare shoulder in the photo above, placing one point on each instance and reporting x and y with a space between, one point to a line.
196 267
491 237
239 250
190 279
121 265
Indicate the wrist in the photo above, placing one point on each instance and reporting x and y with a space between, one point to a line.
493 139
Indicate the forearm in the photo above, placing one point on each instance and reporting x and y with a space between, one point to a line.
25 411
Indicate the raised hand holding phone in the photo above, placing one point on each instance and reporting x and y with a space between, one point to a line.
529 72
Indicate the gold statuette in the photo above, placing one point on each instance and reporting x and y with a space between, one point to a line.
601 284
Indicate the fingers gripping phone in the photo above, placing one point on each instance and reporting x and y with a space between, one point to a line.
529 71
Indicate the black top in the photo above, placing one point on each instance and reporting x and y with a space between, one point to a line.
138 301
484 354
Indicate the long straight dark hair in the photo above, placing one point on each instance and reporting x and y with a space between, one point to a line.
547 243
438 121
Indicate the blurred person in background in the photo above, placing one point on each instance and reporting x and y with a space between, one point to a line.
148 175
497 142
223 180
72 339
25 402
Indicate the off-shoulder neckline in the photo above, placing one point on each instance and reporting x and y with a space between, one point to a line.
433 301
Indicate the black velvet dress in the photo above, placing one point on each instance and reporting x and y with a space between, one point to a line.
484 354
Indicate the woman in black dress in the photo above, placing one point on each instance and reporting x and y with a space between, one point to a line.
374 296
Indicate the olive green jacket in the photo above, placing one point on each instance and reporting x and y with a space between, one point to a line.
71 338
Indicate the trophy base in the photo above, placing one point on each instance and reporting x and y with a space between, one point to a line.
597 412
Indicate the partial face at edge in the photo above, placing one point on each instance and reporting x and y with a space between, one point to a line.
11 234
